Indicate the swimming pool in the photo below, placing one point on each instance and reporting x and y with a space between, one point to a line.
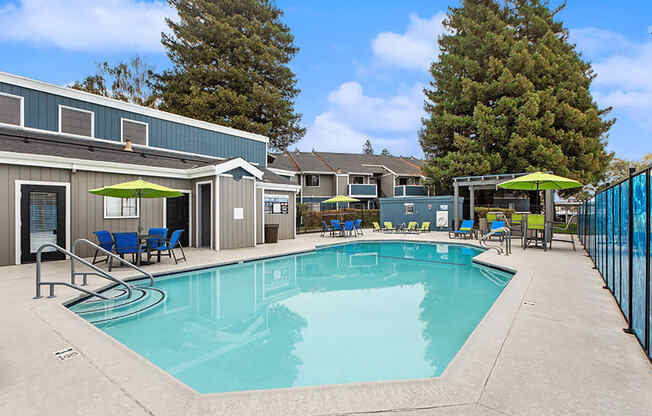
358 312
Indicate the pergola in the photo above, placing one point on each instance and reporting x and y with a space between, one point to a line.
484 182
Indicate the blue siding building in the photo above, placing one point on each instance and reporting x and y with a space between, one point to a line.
42 101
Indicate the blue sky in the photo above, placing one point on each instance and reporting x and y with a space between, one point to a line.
361 67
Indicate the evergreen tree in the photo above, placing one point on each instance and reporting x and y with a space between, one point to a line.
367 149
126 81
230 62
511 94
385 152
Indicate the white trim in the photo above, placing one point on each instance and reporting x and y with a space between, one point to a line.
22 109
253 186
197 205
121 105
217 200
165 213
57 162
278 186
341 174
92 113
238 163
283 172
262 217
122 139
17 214
360 174
117 217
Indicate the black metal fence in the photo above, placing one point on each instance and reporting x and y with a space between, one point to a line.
311 221
614 227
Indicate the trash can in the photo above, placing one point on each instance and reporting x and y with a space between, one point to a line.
271 233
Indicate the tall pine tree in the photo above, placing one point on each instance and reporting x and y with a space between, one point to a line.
511 94
230 62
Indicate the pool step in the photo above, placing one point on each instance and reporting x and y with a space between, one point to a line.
142 299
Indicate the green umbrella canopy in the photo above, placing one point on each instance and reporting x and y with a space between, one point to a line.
540 181
340 198
136 189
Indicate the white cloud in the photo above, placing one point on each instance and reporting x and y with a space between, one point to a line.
353 117
83 25
596 42
414 49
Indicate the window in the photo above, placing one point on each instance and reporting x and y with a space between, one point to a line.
408 208
135 131
358 180
11 109
312 180
120 207
402 181
76 121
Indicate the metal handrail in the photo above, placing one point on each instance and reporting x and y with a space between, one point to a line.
103 273
73 257
499 249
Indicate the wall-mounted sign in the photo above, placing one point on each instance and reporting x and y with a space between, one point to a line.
277 204
443 207
442 219
238 213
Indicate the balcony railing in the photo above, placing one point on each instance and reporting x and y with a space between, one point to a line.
363 190
410 190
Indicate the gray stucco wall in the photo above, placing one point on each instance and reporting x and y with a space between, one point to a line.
387 185
326 186
236 194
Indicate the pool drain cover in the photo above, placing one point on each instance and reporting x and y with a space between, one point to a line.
67 354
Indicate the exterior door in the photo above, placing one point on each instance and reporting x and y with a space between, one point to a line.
205 215
43 220
177 217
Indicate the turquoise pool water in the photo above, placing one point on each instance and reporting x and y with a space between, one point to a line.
351 313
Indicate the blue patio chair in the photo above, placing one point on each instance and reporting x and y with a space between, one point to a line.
336 225
126 243
348 227
105 241
157 237
169 246
465 230
325 228
358 230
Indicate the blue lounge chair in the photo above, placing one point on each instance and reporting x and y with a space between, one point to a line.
358 230
326 229
169 246
495 225
105 241
126 243
465 230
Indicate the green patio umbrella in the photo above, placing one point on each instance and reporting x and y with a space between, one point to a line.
136 189
539 181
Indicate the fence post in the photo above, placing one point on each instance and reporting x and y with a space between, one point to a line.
647 261
630 238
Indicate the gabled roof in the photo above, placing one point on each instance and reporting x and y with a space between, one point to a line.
347 163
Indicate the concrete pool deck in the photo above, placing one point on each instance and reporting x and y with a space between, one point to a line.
552 344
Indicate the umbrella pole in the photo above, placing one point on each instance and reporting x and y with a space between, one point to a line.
140 195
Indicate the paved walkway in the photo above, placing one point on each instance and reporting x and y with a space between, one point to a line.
555 340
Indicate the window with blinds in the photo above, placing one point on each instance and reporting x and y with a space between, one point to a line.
11 109
75 121
120 207
135 131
